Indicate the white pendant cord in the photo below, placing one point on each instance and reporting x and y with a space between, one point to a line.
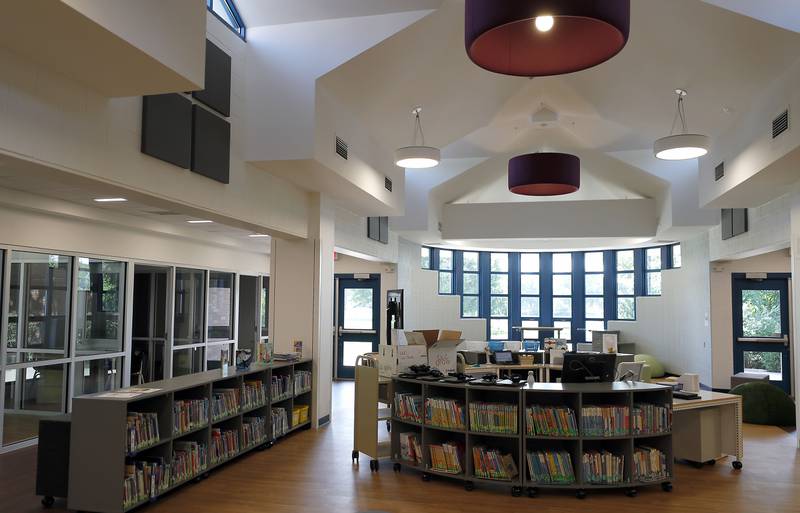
680 113
418 127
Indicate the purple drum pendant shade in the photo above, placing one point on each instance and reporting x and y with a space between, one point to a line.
544 174
502 35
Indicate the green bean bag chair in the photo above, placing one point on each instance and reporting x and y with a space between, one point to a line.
764 403
656 368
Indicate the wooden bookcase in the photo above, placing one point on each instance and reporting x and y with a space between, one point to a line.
98 451
574 396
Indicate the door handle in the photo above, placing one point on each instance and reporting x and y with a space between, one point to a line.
765 340
343 331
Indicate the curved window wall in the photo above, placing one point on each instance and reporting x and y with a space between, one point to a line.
577 291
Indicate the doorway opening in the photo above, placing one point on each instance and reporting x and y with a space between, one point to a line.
150 332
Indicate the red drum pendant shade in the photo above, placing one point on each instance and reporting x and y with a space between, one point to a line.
544 174
505 36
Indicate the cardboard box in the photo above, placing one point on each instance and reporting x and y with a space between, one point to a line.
442 353
409 349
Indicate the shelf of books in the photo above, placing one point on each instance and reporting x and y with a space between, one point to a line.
132 445
573 436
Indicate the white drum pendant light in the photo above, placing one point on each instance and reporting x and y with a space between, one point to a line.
417 157
682 146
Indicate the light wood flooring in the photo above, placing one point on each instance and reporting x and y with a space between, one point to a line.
311 472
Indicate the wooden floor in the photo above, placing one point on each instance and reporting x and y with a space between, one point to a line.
310 472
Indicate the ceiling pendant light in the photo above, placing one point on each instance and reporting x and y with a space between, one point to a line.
682 146
534 38
417 156
544 174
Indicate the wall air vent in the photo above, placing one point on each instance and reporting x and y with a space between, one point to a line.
780 124
387 182
341 148
719 171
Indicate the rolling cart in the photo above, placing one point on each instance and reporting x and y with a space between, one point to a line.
372 408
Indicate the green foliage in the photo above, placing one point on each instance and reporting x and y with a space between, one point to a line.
761 313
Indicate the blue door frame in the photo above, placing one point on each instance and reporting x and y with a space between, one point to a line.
777 342
363 334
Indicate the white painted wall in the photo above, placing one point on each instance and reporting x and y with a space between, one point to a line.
722 306
424 307
345 264
49 119
351 237
675 327
323 230
795 254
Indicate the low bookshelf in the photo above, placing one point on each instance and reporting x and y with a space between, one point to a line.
130 446
577 437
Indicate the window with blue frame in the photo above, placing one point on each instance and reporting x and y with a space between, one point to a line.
530 294
594 293
626 285
425 258
653 271
470 284
445 271
562 293
498 297
676 256
226 11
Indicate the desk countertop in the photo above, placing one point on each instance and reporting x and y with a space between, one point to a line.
707 399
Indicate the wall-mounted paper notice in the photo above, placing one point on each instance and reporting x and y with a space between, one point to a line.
609 342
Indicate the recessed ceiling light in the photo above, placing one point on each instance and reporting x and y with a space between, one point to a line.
199 221
258 235
110 200
544 23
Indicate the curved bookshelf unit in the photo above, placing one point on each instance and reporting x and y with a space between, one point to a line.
175 435
550 435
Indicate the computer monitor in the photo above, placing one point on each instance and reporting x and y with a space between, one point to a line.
588 368
503 357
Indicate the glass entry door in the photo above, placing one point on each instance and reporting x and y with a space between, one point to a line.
357 320
761 327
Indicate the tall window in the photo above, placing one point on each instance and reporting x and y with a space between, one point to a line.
562 293
498 297
594 293
226 11
101 289
626 291
529 294
653 271
470 284
445 271
676 256
425 257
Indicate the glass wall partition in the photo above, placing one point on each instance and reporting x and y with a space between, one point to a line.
150 329
31 391
264 305
189 321
99 312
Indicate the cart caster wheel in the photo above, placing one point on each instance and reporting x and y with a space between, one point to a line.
354 457
396 467
389 426
631 492
737 465
469 486
532 492
48 501
374 466
711 463
426 477
516 491
377 465
667 487
580 494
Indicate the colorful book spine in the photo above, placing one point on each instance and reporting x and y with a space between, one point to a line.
550 467
410 448
302 381
253 394
447 457
224 444
493 464
649 418
605 421
446 413
280 422
142 431
408 407
493 417
280 387
649 464
224 403
550 421
603 467
188 415
189 459
254 431
144 479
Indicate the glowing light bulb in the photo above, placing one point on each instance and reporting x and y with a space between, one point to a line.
544 23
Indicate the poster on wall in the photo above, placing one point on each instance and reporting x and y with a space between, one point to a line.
219 306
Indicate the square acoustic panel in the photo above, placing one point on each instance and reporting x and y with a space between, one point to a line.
217 92
167 128
211 145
